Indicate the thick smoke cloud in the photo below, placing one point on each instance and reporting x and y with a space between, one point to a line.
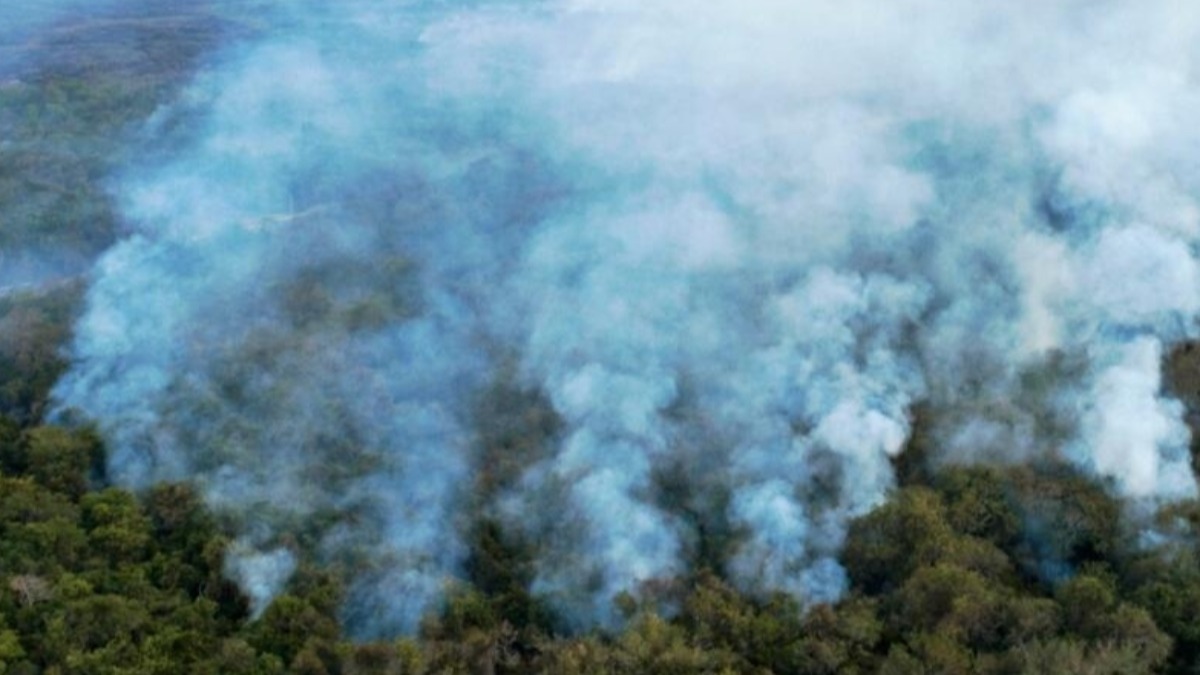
731 244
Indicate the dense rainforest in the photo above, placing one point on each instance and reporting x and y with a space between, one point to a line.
980 569
987 568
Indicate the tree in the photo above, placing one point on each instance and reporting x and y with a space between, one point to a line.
61 460
116 526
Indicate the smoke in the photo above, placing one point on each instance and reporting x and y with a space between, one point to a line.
733 243
262 575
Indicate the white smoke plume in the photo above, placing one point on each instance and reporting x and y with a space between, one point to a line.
736 240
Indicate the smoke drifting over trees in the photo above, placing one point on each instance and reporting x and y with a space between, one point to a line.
730 246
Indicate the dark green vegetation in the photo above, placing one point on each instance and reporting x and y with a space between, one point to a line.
949 578
992 570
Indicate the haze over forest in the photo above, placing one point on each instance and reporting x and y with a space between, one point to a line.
387 336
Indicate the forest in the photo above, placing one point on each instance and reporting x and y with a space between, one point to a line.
309 462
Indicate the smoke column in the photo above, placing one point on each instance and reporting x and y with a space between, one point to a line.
730 241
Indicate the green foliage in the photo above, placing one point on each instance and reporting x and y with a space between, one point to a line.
34 327
103 581
979 504
502 570
757 635
11 651
292 626
888 544
99 582
116 525
1172 598
60 460
653 646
